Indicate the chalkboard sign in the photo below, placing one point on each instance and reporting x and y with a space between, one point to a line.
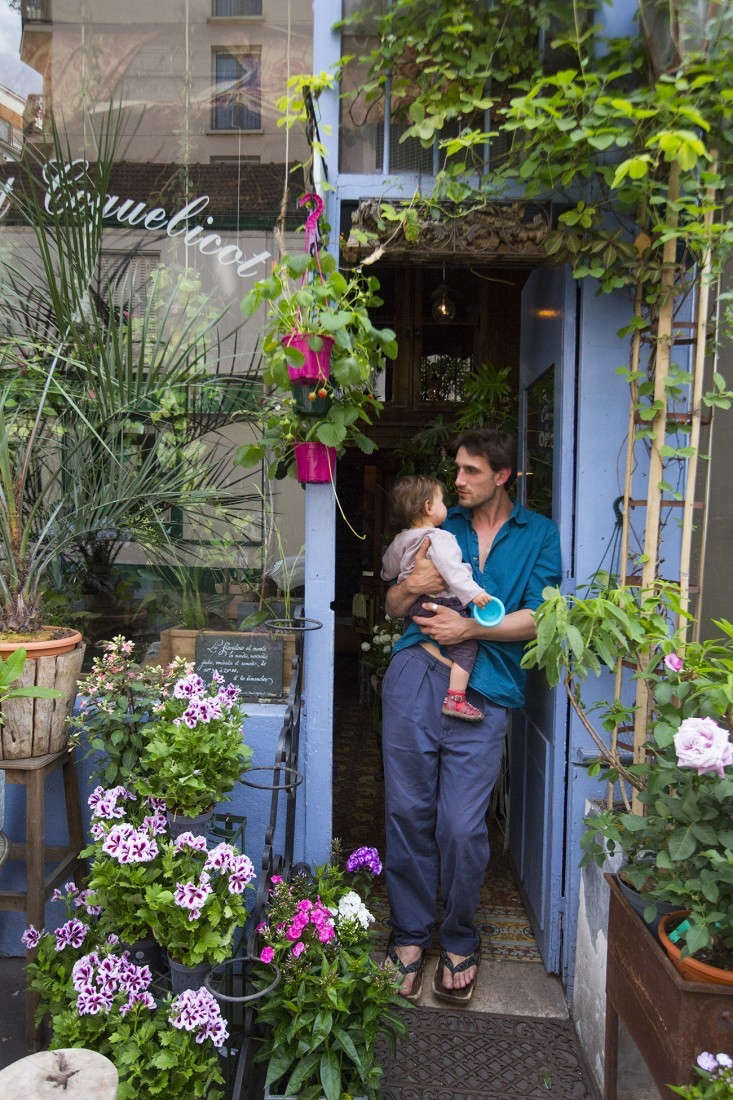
252 662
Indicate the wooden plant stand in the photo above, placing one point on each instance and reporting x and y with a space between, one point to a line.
670 1020
32 773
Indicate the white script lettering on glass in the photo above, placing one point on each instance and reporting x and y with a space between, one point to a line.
132 213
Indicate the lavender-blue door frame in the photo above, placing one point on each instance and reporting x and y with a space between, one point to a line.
538 742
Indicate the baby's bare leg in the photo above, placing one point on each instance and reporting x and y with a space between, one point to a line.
458 677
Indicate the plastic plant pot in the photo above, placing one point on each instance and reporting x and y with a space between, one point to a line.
308 401
490 615
315 463
316 364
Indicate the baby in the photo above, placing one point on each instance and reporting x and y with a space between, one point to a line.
417 506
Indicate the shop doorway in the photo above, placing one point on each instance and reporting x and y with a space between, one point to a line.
507 325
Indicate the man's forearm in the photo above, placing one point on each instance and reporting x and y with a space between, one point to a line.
517 626
399 599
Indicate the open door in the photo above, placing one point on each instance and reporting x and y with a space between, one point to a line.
538 741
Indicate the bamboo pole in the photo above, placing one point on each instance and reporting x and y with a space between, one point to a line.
659 425
708 475
625 518
701 322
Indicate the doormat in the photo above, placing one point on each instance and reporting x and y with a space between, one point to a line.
480 1056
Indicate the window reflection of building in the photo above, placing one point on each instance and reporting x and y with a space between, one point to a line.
191 90
224 8
237 104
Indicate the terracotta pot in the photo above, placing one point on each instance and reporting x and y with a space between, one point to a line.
690 968
315 463
50 647
316 365
37 727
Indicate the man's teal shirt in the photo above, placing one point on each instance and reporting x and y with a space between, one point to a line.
524 558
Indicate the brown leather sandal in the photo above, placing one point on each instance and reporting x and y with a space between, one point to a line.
456 996
405 970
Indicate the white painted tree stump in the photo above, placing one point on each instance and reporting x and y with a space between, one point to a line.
75 1074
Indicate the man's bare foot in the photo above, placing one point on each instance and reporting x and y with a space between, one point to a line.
462 978
407 954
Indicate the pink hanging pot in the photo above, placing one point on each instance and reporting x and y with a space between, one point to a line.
315 463
316 365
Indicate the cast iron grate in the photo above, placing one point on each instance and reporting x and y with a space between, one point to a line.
479 1056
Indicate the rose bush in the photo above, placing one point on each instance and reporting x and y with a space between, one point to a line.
680 851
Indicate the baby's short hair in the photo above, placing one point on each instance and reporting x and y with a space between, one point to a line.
408 497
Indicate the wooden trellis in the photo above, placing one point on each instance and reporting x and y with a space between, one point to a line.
670 332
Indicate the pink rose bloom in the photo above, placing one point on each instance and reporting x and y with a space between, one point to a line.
276 878
674 663
267 955
298 949
701 743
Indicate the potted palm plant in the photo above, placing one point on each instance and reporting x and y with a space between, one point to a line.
88 451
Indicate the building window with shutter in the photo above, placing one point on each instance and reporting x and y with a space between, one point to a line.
237 95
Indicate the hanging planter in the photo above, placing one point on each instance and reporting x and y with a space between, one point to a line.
311 399
316 365
315 463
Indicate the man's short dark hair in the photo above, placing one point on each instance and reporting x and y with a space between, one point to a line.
497 447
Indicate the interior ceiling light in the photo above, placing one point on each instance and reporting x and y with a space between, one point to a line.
444 308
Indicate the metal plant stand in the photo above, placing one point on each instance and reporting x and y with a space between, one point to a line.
230 982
